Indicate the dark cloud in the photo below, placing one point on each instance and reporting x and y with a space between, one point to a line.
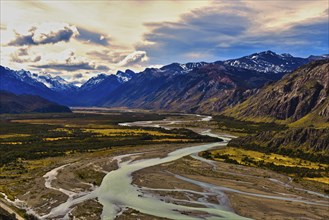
102 67
215 33
78 76
22 56
37 35
92 37
302 39
197 32
21 40
71 67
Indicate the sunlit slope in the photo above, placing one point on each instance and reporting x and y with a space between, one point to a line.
299 99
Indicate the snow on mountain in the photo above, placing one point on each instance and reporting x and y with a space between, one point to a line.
24 76
177 68
125 76
93 81
56 83
268 62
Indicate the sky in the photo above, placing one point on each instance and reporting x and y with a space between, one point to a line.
80 39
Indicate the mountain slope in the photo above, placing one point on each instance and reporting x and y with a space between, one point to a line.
301 100
205 88
304 93
90 93
56 83
11 103
22 82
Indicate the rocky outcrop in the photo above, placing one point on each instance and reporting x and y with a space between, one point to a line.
304 91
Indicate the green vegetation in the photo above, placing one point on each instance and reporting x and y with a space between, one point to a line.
37 136
298 152
232 125
296 167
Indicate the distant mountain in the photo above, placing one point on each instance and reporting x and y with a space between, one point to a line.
268 62
303 93
189 87
22 82
205 88
322 57
96 88
59 90
11 103
125 76
56 83
177 68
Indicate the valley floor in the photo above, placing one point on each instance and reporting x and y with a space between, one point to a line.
190 181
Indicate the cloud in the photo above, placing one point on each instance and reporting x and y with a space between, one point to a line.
45 33
102 67
92 37
71 67
222 32
108 55
22 56
198 32
133 58
77 75
69 61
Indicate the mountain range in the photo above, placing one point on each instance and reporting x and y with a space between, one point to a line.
261 87
191 87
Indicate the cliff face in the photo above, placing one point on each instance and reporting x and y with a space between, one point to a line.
298 94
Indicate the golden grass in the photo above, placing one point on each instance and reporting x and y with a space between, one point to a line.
311 119
238 154
319 179
3 136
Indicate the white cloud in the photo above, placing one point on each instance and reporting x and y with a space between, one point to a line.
134 58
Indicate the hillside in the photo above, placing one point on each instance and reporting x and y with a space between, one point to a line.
299 100
207 88
11 103
300 97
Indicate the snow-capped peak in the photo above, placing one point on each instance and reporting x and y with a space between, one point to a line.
268 62
94 81
56 83
125 76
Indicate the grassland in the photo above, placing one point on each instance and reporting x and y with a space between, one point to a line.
36 136
294 167
241 128
266 151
